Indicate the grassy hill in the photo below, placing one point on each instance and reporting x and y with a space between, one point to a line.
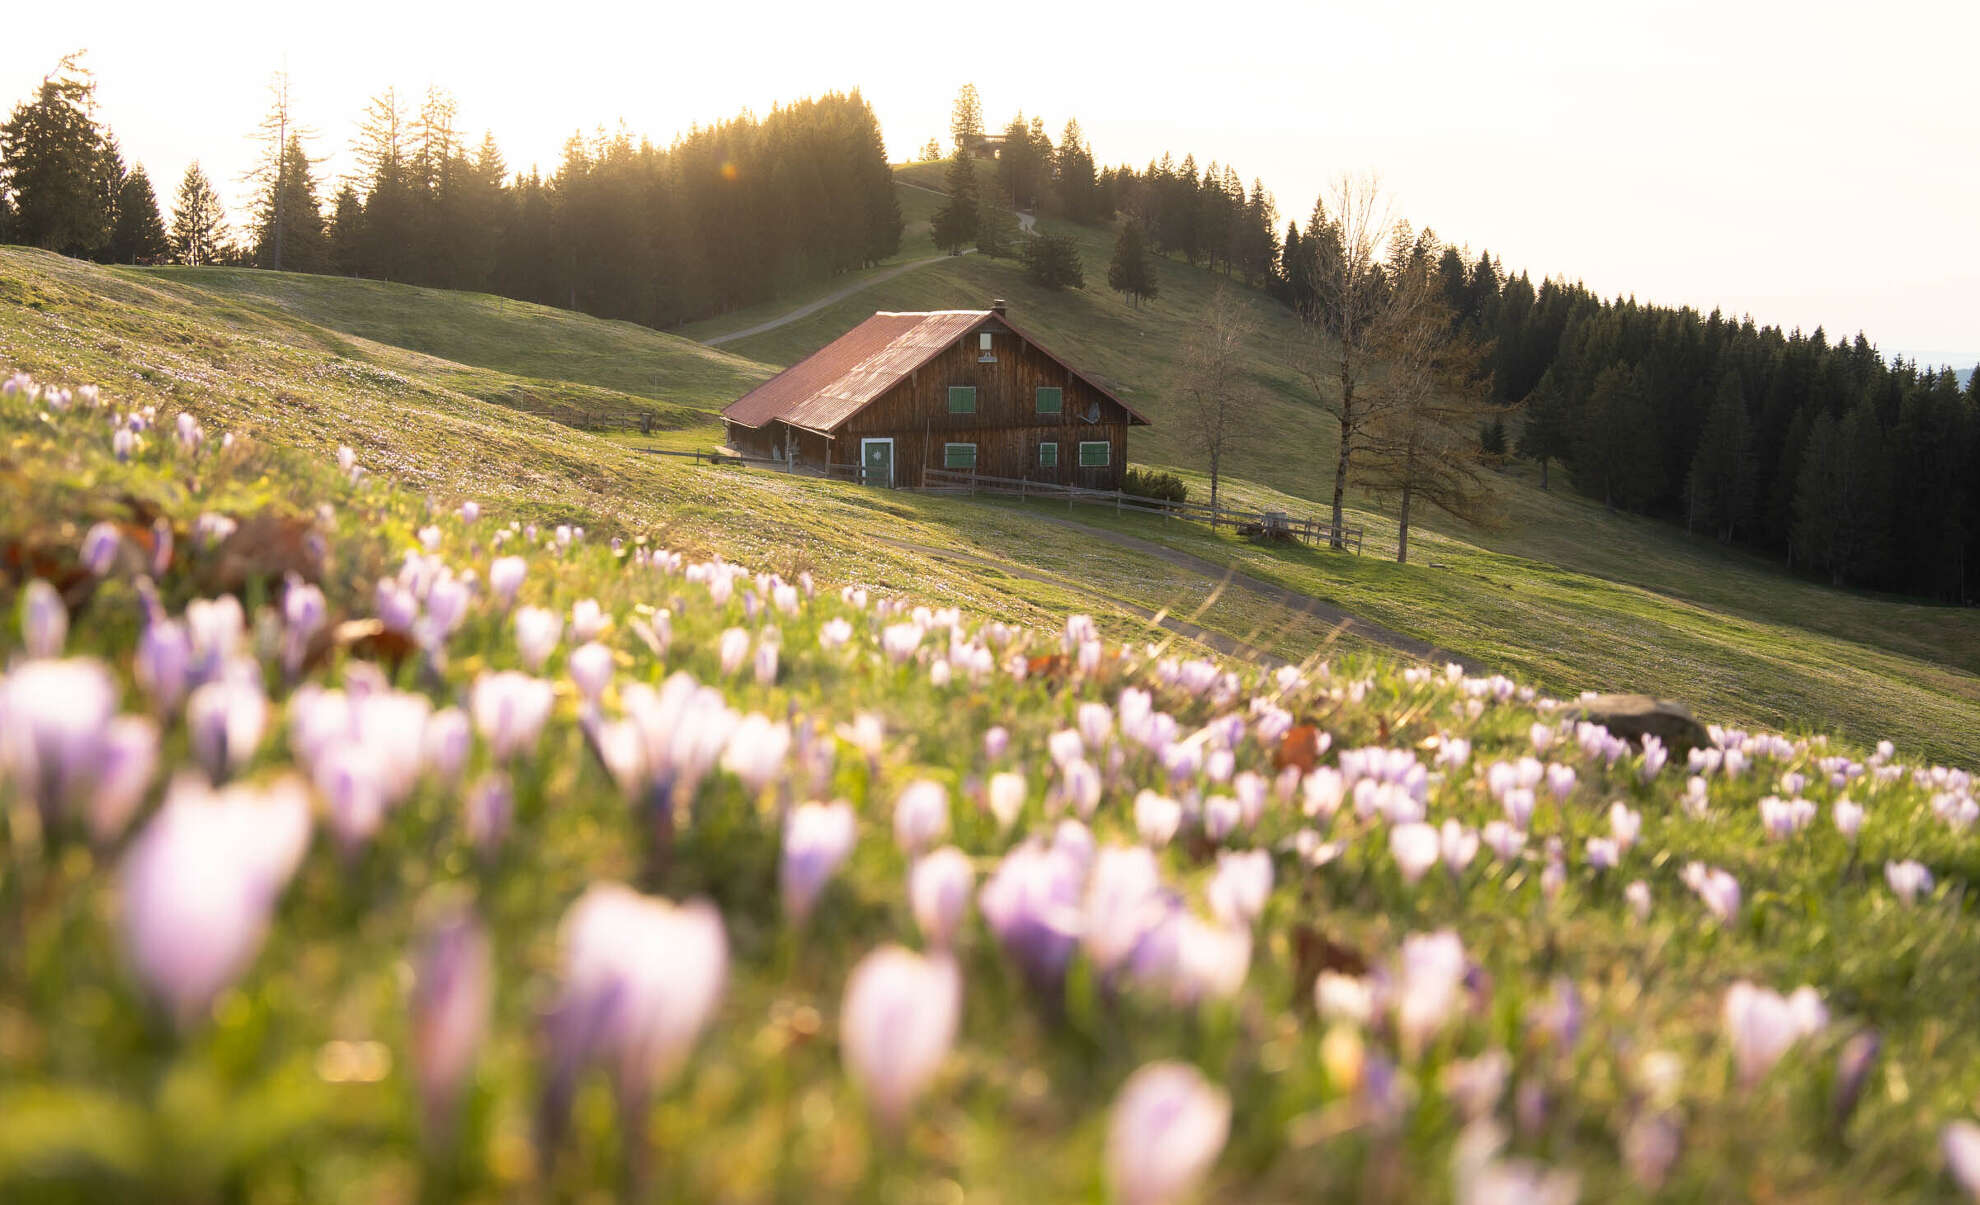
555 944
1566 595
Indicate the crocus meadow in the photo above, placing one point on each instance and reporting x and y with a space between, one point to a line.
427 850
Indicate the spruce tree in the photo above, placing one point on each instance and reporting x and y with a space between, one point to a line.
60 168
966 121
954 224
341 238
288 218
1609 456
199 221
1721 484
1131 273
138 237
1074 182
1052 260
1548 434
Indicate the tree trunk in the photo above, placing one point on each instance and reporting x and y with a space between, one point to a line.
1341 462
1543 472
1402 530
1213 487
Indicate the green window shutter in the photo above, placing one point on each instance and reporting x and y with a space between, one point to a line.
1094 454
958 456
1048 456
962 399
1051 399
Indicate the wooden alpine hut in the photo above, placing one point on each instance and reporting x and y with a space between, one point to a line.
963 390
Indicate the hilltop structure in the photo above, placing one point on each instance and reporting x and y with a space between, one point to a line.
961 390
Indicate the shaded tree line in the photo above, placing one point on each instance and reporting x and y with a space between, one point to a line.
723 217
1861 469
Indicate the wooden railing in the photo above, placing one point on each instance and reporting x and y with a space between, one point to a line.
950 481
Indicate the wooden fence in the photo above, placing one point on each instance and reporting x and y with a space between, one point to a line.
947 481
1265 522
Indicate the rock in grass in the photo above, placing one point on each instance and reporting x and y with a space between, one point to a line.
1633 717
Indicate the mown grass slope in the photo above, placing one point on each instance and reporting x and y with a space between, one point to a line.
420 419
292 994
1652 610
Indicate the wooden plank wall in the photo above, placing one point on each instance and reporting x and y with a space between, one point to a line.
1006 427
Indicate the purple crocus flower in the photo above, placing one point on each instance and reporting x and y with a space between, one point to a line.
897 1025
732 650
505 577
1241 886
641 979
537 633
1959 1142
1763 1024
1031 902
200 883
44 620
490 807
1124 902
1156 818
817 838
226 719
1849 818
54 716
509 711
453 983
1416 848
100 546
126 762
1167 1127
1429 985
1853 1066
1004 795
1908 880
163 663
588 619
939 886
445 743
921 816
591 668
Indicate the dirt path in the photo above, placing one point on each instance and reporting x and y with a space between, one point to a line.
812 307
1285 596
1227 645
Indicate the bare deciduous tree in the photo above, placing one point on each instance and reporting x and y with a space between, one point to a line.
1356 312
1213 389
1421 443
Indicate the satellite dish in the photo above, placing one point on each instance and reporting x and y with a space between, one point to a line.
1092 412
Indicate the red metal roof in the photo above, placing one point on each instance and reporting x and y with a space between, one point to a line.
835 382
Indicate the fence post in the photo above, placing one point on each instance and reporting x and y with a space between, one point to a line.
1117 501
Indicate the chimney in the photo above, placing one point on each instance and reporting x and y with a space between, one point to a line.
998 307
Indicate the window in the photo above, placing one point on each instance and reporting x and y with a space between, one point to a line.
962 399
1048 456
1051 399
959 456
983 341
1094 453
987 356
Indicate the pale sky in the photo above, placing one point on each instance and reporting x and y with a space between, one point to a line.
1810 163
